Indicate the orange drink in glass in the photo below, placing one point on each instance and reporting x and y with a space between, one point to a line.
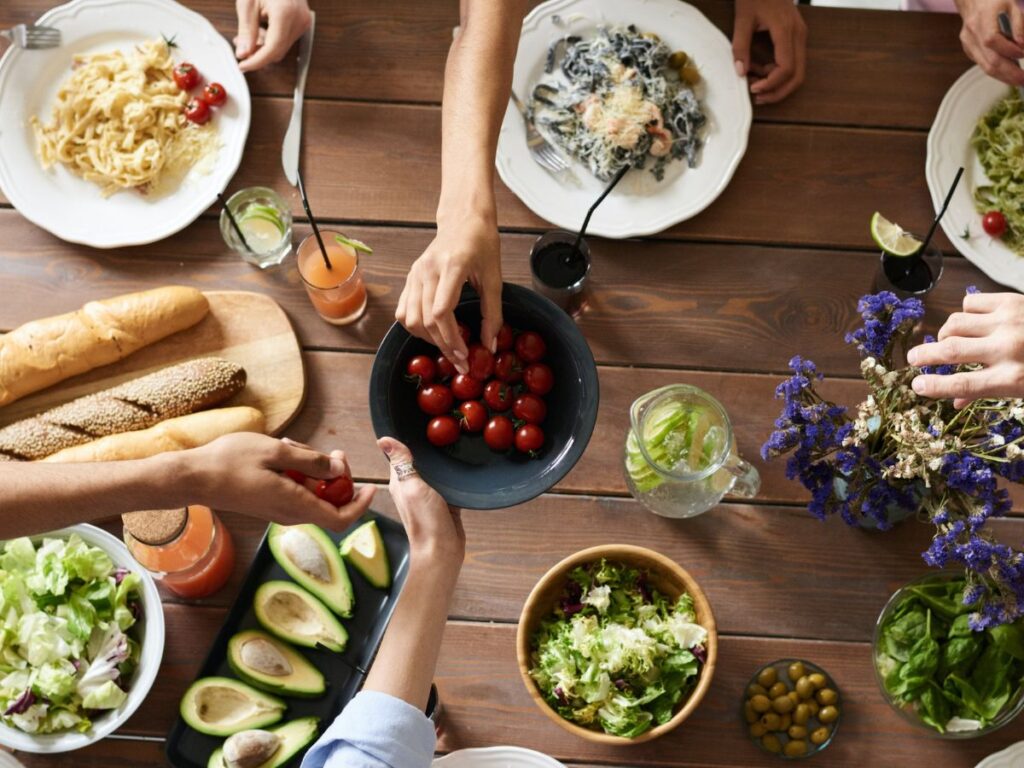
338 294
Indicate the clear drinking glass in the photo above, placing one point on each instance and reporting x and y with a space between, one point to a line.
338 294
560 272
681 453
908 276
266 222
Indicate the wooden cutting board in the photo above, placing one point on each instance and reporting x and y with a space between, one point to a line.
247 328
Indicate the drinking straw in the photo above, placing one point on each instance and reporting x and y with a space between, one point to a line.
945 205
312 221
611 185
231 218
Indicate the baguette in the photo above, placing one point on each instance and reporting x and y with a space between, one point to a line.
136 404
172 435
43 352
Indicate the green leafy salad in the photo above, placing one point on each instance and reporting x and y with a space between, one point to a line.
66 613
999 141
930 659
616 654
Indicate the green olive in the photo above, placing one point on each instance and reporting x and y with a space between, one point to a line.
767 677
754 689
828 714
819 735
779 689
771 742
801 714
749 713
757 730
814 706
805 687
689 74
796 670
770 721
760 703
818 680
785 721
794 697
826 696
678 60
783 704
795 748
797 732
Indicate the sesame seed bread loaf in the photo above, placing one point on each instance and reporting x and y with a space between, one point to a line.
137 404
172 435
43 352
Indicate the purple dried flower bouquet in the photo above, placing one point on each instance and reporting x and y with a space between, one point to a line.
900 454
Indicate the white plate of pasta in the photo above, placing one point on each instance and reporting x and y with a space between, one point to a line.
648 81
94 146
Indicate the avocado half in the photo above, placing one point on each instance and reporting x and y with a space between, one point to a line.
273 666
364 549
311 558
291 613
220 706
295 736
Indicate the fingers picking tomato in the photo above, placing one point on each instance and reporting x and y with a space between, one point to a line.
530 408
508 367
337 491
539 378
420 370
465 387
294 474
465 333
435 399
505 338
480 362
472 416
197 111
445 368
498 395
530 347
994 224
499 433
185 76
529 439
442 431
214 94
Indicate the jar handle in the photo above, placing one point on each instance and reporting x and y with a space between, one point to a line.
747 481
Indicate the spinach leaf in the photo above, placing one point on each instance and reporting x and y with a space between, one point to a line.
958 655
943 598
961 626
981 706
900 635
1009 638
934 708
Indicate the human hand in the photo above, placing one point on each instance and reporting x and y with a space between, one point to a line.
468 249
985 44
989 331
287 20
434 529
771 81
242 473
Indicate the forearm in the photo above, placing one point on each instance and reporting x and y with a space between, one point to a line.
478 77
405 663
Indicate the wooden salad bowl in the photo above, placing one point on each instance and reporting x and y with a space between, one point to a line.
667 577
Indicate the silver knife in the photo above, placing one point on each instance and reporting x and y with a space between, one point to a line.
1004 27
293 138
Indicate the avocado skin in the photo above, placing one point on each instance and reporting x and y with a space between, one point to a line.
189 716
337 594
269 683
376 570
296 735
283 634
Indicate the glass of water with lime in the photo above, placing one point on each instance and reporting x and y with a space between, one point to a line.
265 223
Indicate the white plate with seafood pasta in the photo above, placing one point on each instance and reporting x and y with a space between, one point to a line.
94 145
648 81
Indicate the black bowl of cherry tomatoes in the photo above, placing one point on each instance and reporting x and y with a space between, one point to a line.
513 426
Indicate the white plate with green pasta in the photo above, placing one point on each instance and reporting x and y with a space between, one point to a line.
978 125
617 77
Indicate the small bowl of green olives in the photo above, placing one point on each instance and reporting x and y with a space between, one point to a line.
792 708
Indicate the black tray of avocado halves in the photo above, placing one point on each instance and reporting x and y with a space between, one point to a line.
295 646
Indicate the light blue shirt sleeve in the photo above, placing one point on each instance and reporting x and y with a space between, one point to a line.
375 730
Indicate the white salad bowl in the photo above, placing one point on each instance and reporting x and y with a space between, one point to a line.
151 642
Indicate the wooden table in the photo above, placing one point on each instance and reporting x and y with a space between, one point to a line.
773 268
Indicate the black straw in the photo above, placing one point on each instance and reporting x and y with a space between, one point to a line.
611 185
942 211
234 223
312 221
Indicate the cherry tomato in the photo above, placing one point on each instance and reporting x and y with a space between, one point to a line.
294 474
197 111
529 439
538 378
472 416
508 367
994 224
420 370
338 491
498 395
186 76
465 333
435 399
465 387
442 431
499 433
445 368
214 94
480 362
505 339
530 347
530 408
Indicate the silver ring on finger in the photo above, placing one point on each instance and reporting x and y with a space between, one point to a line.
405 470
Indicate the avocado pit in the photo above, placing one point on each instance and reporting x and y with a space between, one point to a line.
260 655
303 551
248 749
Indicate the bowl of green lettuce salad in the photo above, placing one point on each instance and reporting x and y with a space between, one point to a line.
81 638
617 644
937 671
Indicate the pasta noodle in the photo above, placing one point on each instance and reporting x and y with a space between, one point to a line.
119 121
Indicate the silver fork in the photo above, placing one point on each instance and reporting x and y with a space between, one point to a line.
540 148
31 36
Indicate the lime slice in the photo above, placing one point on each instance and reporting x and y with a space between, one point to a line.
272 220
891 237
359 245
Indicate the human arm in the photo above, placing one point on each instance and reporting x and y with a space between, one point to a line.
478 79
773 80
287 20
984 43
990 332
238 473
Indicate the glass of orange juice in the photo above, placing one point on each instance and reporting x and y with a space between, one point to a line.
339 293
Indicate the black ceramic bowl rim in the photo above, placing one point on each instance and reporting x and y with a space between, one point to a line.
551 468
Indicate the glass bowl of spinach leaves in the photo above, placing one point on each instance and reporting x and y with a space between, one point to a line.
939 673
